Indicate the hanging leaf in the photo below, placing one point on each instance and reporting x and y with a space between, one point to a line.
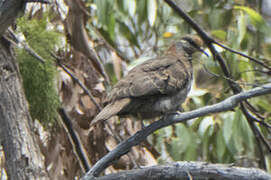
220 146
142 11
101 10
111 26
255 17
219 34
152 11
128 34
130 5
242 27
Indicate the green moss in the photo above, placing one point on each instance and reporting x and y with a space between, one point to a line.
39 80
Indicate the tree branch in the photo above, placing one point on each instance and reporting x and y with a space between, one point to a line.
141 135
244 55
16 42
9 10
189 170
77 145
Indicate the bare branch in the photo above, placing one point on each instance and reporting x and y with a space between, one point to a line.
190 170
80 84
141 135
15 41
77 145
244 55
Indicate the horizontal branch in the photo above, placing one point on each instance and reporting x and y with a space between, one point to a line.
141 135
189 170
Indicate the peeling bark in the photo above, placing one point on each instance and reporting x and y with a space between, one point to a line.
23 157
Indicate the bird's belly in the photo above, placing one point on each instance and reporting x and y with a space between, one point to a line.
153 107
171 103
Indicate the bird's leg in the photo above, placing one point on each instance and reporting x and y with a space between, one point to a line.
169 114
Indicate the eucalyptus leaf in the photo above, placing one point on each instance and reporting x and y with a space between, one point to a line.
256 19
152 11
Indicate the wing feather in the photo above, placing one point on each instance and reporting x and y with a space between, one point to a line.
151 78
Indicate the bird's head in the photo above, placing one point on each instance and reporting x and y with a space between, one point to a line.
190 44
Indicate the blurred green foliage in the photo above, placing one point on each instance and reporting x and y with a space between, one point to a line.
39 80
134 27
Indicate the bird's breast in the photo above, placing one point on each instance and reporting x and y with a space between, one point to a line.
172 102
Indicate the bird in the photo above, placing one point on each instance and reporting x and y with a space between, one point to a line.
156 87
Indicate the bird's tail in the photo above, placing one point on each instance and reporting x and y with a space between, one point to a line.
110 110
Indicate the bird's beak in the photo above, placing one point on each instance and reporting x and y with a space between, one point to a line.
202 50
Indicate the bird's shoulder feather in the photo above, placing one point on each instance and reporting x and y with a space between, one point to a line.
159 76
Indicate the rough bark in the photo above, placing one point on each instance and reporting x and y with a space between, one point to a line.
190 170
9 10
23 157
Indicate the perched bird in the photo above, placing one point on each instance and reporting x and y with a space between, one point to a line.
156 87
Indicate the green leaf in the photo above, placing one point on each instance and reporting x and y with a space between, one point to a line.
152 11
191 152
219 34
180 144
228 130
101 10
220 146
111 26
206 142
242 27
246 69
205 125
255 17
130 5
105 11
107 36
142 11
219 18
128 34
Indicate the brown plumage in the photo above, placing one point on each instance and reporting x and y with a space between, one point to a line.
156 87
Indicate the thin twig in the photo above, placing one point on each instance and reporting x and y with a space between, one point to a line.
229 79
119 139
75 140
81 85
15 41
120 54
242 54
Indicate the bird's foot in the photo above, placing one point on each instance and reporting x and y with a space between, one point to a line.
170 114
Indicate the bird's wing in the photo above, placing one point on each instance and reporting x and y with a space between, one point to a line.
152 78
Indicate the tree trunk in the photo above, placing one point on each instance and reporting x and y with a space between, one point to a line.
23 157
